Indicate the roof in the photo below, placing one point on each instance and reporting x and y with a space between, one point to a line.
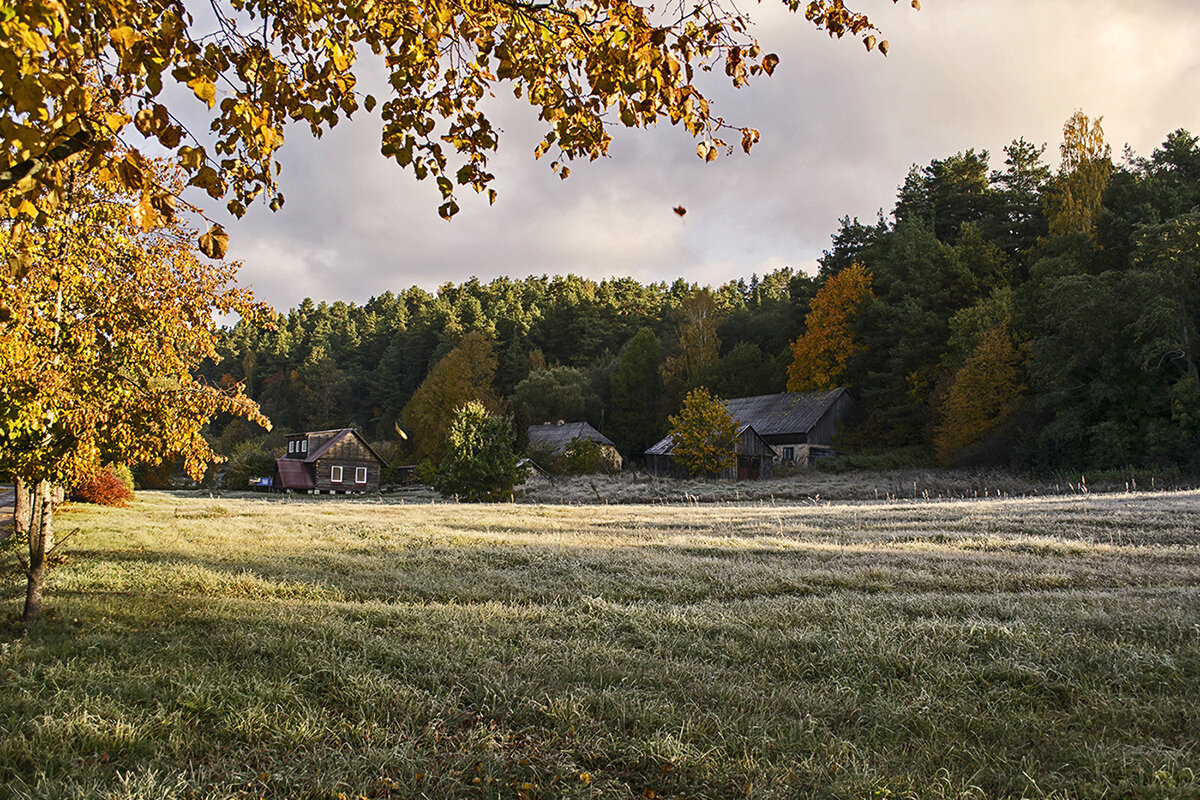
294 474
560 435
666 445
337 437
789 412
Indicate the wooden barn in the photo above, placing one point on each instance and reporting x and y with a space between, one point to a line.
333 462
755 458
557 436
799 425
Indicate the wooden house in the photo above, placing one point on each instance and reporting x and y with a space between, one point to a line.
799 425
333 462
755 457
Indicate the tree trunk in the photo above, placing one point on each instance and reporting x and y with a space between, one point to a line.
41 538
21 507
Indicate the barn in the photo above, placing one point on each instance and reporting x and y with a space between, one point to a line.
799 425
334 462
755 458
557 436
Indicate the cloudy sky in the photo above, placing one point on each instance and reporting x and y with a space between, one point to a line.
840 129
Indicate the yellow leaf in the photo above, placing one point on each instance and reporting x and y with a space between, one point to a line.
124 37
205 90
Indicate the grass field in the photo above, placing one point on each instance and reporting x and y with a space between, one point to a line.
992 648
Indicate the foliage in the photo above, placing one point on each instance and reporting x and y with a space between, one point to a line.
704 434
698 343
255 66
248 461
585 457
465 374
557 393
102 487
1074 202
480 464
636 395
102 325
819 357
984 392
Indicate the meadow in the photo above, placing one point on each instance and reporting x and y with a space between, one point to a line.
998 647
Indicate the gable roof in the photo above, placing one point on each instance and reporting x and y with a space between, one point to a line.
560 436
788 412
337 437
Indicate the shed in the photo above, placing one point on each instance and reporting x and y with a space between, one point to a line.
334 461
557 436
755 457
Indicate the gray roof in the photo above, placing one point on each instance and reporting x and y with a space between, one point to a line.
560 435
789 412
770 414
666 445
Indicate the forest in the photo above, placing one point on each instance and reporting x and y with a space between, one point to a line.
1012 315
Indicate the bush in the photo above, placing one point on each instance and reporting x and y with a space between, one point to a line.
480 463
585 457
248 460
111 486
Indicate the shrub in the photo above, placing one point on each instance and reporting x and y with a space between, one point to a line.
585 457
705 434
104 487
480 463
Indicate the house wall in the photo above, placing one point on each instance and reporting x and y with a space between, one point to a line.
823 432
349 453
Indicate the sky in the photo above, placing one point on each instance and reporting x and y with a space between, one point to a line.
840 129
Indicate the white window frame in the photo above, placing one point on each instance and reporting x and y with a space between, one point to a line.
304 445
292 446
335 474
360 474
789 454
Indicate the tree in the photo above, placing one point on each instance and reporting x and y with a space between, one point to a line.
699 344
819 357
557 393
466 373
983 393
635 395
704 433
1074 202
480 463
102 325
256 66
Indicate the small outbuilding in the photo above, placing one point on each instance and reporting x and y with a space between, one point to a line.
557 436
755 458
334 462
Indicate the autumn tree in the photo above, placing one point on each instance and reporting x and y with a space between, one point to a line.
466 373
102 325
819 357
698 345
704 434
255 66
983 393
1074 201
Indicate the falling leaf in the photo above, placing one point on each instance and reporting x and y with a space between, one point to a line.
215 242
883 47
769 62
680 210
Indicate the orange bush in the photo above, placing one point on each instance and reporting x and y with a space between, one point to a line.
102 487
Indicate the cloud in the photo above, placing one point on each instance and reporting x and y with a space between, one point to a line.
840 128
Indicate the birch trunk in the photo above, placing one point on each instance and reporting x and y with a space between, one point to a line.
41 538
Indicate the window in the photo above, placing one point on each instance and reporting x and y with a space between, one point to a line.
789 454
335 474
291 447
360 474
304 446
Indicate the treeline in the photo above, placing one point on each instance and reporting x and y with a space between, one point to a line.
1016 316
